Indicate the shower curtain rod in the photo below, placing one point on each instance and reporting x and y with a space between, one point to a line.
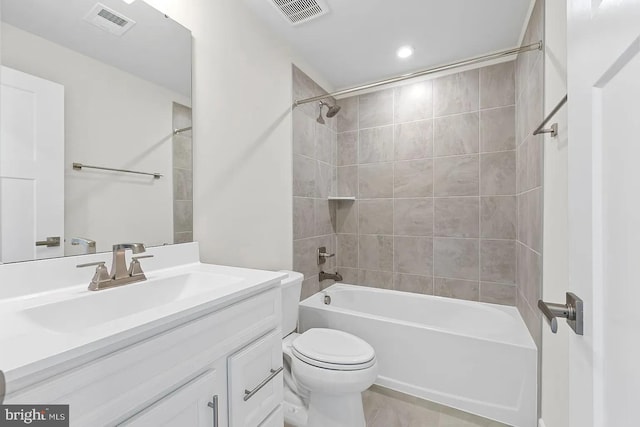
476 60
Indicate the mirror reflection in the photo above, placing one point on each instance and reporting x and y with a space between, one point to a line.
95 119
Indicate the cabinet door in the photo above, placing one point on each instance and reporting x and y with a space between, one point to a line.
255 381
196 404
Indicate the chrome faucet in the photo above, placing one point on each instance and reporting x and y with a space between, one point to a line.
120 274
89 244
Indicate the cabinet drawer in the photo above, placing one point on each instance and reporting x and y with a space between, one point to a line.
195 404
118 385
255 381
276 419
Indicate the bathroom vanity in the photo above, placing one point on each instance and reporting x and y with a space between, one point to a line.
194 345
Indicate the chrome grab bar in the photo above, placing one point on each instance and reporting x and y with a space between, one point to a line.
572 311
553 130
248 394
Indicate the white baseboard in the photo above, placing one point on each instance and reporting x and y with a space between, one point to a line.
541 423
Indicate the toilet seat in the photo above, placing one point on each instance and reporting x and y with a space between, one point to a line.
333 349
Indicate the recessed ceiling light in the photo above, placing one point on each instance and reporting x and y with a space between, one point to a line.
128 1
405 52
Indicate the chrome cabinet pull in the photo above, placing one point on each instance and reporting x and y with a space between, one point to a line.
51 242
248 394
214 405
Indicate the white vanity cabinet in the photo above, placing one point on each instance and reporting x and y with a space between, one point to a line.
195 372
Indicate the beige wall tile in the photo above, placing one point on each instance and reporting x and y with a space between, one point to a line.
182 216
498 261
324 143
347 119
324 180
529 270
347 218
457 176
413 217
413 140
498 129
454 288
375 252
456 258
347 181
375 181
498 217
347 251
456 93
304 176
413 283
457 217
497 85
375 145
310 286
413 102
325 217
498 173
347 143
457 134
413 255
413 178
375 216
375 279
304 217
304 131
182 184
498 293
183 237
375 109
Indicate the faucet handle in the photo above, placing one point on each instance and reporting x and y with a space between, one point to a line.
91 264
135 258
135 269
100 276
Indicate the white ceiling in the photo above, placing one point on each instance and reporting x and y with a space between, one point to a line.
357 41
156 49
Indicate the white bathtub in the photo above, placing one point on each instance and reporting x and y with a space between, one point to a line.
472 356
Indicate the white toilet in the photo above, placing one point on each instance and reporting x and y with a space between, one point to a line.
326 370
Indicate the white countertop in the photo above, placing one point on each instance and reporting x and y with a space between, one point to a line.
32 350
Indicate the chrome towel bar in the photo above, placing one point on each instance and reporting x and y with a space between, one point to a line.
80 166
553 130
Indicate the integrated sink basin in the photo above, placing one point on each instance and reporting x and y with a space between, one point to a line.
95 308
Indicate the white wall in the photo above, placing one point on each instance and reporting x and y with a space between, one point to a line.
242 134
112 119
555 357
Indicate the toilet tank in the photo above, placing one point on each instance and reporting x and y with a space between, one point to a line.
291 289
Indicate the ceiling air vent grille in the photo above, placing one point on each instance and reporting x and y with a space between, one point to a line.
109 20
298 12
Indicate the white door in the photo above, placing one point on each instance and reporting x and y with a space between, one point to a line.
31 166
200 403
604 209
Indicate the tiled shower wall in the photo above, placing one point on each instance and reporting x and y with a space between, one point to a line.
314 170
433 168
529 168
182 176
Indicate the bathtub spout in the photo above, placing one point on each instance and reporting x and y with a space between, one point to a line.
327 276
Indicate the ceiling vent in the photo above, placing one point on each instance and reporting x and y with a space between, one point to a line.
298 12
109 20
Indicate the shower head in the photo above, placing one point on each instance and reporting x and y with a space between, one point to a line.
332 110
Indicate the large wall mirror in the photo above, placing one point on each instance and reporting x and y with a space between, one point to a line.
95 129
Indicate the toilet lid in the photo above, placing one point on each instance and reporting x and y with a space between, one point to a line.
329 347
